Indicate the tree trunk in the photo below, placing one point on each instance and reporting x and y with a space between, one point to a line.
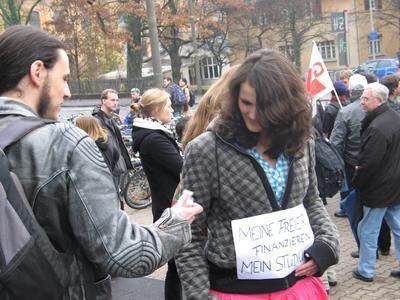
134 49
295 40
76 58
176 63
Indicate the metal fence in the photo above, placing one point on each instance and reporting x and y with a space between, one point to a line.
94 87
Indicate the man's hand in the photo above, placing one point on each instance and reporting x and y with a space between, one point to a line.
187 209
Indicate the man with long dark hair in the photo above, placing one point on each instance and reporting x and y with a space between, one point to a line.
69 185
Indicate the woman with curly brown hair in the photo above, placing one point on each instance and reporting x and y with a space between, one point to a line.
268 233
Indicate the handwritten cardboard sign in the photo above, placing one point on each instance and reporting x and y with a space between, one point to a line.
271 245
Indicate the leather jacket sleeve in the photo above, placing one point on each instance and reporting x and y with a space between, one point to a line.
339 133
104 232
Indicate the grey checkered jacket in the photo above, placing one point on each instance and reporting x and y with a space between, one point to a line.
239 193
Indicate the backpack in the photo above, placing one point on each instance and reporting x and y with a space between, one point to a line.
178 97
329 168
192 98
318 119
30 267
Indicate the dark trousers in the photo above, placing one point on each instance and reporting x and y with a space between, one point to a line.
384 237
172 287
178 111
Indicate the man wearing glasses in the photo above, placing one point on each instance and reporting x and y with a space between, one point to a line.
377 177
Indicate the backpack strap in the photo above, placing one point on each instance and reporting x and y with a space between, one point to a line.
16 130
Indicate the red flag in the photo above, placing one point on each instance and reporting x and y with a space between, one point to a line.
318 81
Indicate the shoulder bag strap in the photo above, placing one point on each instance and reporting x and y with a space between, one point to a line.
216 160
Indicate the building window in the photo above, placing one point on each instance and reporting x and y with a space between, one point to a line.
327 50
288 51
375 4
209 68
285 14
309 9
312 8
377 44
34 21
262 19
221 17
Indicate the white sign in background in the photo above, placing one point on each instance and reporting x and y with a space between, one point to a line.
271 245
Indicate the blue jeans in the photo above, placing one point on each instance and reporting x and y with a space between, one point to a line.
368 232
178 111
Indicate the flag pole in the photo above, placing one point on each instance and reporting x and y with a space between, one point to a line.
338 100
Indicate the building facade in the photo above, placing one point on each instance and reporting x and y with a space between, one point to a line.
341 29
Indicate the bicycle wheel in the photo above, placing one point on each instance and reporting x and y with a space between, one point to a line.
137 191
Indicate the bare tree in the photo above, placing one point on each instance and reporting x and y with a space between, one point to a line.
285 24
389 15
296 23
224 19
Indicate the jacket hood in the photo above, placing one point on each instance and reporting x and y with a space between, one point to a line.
103 146
10 106
143 127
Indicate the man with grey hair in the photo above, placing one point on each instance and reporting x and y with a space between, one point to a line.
377 177
345 134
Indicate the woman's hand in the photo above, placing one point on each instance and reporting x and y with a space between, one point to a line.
309 268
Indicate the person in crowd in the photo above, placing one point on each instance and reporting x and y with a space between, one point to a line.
135 95
180 128
371 77
333 107
346 138
161 160
135 98
345 77
208 107
70 185
377 176
185 89
109 103
175 93
257 160
392 82
111 155
345 135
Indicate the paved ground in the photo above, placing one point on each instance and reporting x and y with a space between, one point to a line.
383 288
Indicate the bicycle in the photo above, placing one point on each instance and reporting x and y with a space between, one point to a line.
136 189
